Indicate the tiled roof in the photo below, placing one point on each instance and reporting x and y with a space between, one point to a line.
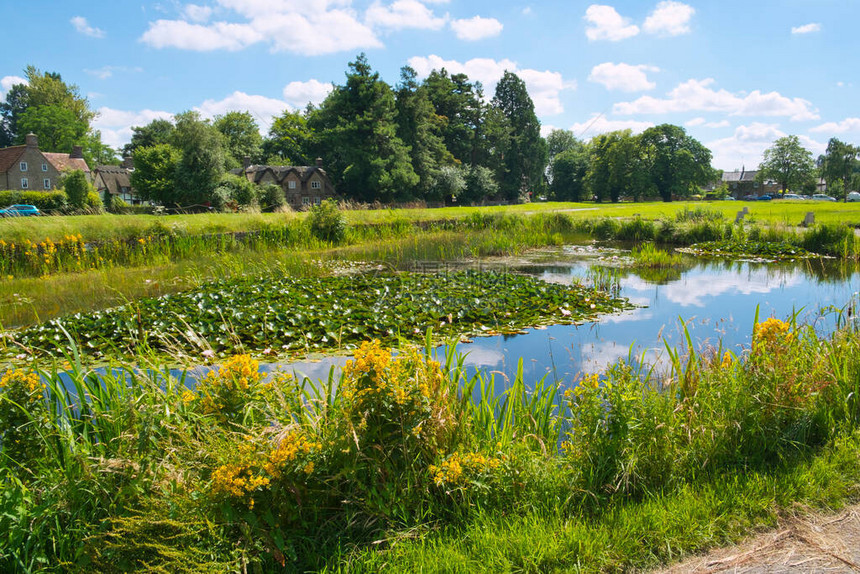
63 162
10 155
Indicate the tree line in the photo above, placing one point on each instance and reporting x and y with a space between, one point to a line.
437 140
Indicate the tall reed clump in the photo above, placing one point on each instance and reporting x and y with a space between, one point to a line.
831 239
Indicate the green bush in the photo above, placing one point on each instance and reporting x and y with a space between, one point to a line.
77 189
830 239
237 189
272 197
44 200
327 222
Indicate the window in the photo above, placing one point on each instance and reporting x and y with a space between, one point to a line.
23 166
47 183
291 184
44 167
24 183
317 200
315 184
306 200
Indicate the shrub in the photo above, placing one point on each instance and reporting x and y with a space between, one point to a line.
78 189
327 222
237 189
272 197
44 200
93 202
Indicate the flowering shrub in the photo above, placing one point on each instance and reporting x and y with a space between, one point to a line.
20 410
464 469
227 392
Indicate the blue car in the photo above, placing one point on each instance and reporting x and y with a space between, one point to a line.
764 198
19 211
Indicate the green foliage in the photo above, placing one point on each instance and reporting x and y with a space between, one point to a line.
201 162
272 197
840 164
290 140
156 132
698 214
235 190
448 183
786 162
831 239
678 164
242 138
568 170
327 222
154 171
746 248
77 189
480 185
650 256
46 201
55 125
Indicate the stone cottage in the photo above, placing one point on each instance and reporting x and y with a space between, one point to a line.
303 186
26 168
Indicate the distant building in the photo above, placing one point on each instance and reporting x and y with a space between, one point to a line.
743 182
303 186
25 167
114 181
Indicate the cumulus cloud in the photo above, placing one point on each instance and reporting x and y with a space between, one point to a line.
544 87
746 145
7 82
477 28
599 124
115 125
670 18
623 77
807 28
403 14
82 26
307 27
846 125
197 13
697 95
262 108
607 24
702 122
299 94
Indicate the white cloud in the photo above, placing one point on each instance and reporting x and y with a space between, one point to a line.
81 25
197 13
623 77
846 125
669 19
544 87
697 122
298 94
106 72
403 14
7 82
697 95
746 145
307 27
807 28
477 28
262 108
115 125
599 124
607 24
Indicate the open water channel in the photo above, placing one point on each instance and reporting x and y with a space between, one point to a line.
716 299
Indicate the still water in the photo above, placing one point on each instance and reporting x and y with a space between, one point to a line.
717 300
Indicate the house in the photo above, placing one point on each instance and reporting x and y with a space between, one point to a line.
743 182
303 185
26 168
115 181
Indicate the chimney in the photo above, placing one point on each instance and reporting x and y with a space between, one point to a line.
32 140
128 162
319 162
246 162
77 152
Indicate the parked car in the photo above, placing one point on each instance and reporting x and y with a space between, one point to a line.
19 210
822 197
764 197
853 196
727 198
751 197
792 196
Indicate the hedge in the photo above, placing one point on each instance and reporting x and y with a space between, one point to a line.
44 200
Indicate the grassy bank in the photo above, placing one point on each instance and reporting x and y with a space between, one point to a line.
395 465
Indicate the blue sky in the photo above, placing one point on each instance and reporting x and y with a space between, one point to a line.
736 74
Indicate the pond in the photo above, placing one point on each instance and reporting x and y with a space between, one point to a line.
716 299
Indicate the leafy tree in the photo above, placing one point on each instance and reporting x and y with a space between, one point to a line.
522 156
290 140
242 137
202 160
56 126
156 132
786 162
678 163
840 163
568 171
357 122
598 178
480 185
449 184
97 153
77 188
154 171
559 141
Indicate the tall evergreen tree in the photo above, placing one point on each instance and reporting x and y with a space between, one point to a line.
357 122
458 102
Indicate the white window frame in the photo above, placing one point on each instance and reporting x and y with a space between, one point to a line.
23 166
25 183
316 184
44 167
47 183
317 200
291 184
306 200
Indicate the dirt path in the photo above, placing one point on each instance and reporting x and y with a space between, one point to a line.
810 543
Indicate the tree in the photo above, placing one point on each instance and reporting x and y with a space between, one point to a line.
448 184
154 171
156 132
357 121
840 163
480 185
457 102
202 159
56 126
523 156
290 140
678 163
242 137
568 170
77 188
786 162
